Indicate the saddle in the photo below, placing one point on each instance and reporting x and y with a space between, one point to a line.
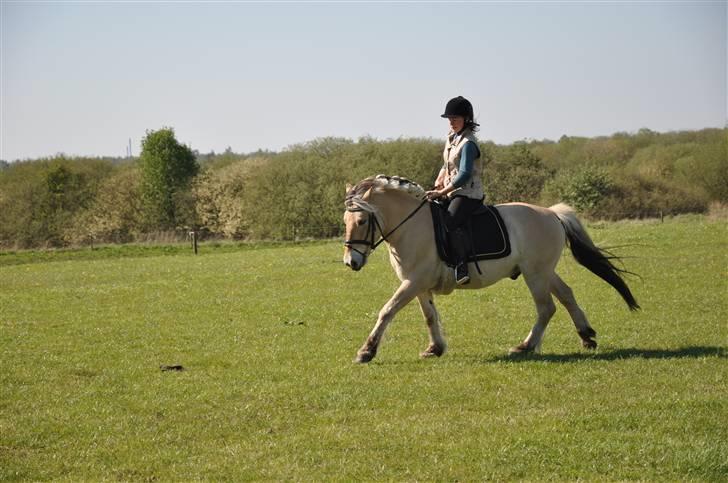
485 229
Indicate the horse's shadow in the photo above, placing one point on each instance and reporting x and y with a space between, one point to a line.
692 352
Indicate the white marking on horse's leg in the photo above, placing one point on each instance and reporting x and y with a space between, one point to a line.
545 308
437 346
404 295
566 296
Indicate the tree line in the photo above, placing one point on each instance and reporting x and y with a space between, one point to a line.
298 192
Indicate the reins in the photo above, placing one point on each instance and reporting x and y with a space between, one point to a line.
373 226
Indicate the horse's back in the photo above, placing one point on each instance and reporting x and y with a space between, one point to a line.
525 209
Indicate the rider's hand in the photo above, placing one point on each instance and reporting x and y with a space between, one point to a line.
433 194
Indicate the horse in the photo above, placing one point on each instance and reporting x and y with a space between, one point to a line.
390 208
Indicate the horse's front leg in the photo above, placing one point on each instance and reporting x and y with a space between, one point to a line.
437 344
404 295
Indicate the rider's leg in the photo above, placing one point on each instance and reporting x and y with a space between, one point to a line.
458 212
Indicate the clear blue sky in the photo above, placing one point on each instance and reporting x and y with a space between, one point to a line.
83 77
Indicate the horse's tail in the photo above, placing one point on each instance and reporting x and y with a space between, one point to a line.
596 259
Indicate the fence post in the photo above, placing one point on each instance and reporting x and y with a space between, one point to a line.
193 240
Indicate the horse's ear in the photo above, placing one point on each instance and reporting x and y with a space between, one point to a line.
366 195
348 188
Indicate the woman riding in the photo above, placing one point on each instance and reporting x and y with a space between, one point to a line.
459 180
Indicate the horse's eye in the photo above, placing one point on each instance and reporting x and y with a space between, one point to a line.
361 222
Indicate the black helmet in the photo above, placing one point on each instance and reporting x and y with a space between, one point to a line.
459 106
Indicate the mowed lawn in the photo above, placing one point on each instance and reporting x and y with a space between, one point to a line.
269 392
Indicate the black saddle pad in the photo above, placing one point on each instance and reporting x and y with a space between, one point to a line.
489 237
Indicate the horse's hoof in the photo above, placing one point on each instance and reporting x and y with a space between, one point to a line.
432 351
364 357
520 349
428 354
589 343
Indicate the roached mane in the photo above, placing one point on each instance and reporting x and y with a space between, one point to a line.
382 182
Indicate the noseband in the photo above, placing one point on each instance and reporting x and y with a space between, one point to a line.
373 226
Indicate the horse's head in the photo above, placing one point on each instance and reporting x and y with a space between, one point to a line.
362 224
364 217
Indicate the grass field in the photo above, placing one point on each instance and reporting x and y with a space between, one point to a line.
267 336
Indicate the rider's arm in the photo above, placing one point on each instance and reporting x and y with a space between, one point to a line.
440 181
467 159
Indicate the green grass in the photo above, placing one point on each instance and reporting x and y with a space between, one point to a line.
267 337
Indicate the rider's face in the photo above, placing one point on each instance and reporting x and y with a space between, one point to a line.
456 123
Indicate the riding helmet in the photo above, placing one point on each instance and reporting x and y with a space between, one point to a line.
459 106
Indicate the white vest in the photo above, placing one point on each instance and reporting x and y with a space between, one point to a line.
451 156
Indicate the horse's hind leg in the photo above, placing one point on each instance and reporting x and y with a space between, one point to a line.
539 285
437 345
566 296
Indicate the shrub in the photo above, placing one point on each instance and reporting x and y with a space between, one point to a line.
220 198
583 188
298 193
116 214
513 174
642 197
39 200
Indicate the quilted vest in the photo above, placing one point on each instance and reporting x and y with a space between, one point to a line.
451 156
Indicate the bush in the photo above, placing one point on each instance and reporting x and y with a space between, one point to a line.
711 168
298 193
513 174
642 197
39 200
583 188
116 214
220 198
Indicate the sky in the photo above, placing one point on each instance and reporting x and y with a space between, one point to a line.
83 78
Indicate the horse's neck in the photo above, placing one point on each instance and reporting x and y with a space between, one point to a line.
395 207
412 245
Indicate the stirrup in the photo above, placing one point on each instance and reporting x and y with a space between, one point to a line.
461 274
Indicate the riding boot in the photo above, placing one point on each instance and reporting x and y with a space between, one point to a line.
459 245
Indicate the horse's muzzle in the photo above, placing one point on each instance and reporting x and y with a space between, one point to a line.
354 260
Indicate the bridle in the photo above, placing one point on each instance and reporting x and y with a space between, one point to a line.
373 226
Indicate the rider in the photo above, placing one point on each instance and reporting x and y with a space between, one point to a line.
459 180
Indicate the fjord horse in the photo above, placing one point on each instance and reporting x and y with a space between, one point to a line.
388 209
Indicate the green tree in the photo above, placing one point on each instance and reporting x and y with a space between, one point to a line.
167 168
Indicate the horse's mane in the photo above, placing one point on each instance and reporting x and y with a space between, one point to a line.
381 183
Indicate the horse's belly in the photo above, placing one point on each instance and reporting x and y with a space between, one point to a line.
491 271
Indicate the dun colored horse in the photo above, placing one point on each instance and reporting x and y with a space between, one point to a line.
387 209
